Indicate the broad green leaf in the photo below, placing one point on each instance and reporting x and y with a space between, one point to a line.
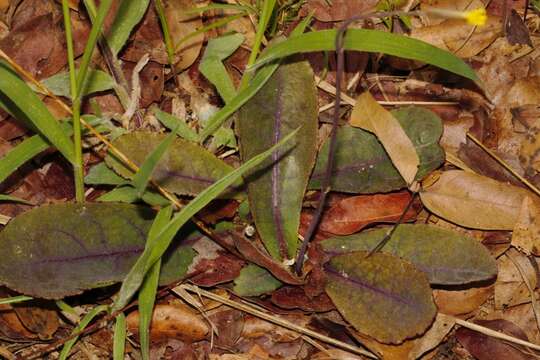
96 81
101 174
128 16
254 281
58 250
212 67
165 236
172 122
17 98
119 341
371 41
142 177
185 168
82 325
447 257
276 188
381 295
128 194
362 166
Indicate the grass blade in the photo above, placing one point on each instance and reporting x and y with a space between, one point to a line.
142 177
370 41
14 199
119 341
128 16
15 299
20 154
83 324
20 100
165 236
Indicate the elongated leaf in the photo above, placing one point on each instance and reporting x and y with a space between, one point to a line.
171 122
370 41
255 281
165 236
369 115
212 67
381 296
185 168
128 194
101 174
17 98
119 337
96 81
10 198
58 250
20 154
276 189
447 257
142 177
129 14
474 201
362 166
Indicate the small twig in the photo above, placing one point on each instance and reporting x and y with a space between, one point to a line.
504 164
277 320
388 236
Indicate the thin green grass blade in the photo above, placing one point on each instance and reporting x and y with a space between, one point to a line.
143 176
166 33
82 325
220 7
20 154
119 340
20 99
171 122
212 25
165 236
128 16
370 41
14 199
147 294
15 299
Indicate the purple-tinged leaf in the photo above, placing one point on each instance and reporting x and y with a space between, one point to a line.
59 250
381 295
185 168
286 102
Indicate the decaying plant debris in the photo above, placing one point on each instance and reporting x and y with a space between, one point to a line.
269 179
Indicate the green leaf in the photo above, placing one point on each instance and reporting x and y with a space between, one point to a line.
95 81
212 67
447 257
362 166
17 98
62 249
128 16
371 41
82 325
381 295
142 177
165 236
276 188
172 122
254 281
119 342
101 174
10 198
128 194
185 168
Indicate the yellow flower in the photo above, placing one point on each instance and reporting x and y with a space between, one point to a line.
476 16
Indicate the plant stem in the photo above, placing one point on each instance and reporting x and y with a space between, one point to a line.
77 166
264 18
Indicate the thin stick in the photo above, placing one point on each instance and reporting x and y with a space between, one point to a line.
276 320
504 164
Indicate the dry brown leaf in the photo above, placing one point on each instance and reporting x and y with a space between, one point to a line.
369 115
474 201
526 234
412 349
460 302
510 290
339 9
4 4
176 321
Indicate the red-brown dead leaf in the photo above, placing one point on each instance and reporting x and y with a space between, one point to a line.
294 297
11 326
39 317
151 80
339 9
460 302
176 321
218 210
229 324
218 270
484 347
352 214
